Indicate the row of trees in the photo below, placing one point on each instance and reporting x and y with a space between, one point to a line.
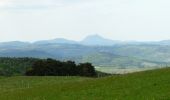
51 67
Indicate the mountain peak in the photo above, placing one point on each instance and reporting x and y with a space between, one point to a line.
95 36
97 40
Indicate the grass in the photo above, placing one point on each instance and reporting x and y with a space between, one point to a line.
146 85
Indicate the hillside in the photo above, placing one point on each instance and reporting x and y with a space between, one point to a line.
113 56
95 49
147 85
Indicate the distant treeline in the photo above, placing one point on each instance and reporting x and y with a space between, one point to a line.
10 66
51 67
43 67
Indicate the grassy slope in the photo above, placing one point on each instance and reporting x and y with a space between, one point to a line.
148 85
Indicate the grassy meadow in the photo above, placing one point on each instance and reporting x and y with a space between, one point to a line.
146 85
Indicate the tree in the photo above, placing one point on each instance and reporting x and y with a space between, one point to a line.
86 69
51 67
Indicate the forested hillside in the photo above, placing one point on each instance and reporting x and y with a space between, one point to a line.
15 66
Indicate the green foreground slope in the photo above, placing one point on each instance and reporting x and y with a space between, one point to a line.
148 85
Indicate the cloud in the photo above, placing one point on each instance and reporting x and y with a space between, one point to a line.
29 4
116 19
39 4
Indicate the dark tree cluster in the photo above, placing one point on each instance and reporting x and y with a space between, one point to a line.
51 67
15 66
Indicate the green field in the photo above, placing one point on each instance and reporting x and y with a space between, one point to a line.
147 85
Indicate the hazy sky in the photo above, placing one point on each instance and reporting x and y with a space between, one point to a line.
31 20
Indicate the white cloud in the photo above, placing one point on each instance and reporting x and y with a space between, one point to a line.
74 19
28 4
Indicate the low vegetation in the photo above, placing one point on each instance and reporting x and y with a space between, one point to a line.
147 85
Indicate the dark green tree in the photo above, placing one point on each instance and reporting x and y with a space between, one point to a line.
51 67
86 69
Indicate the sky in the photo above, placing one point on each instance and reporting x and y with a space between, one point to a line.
32 20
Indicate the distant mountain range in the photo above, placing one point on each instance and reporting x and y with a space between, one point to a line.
92 40
95 49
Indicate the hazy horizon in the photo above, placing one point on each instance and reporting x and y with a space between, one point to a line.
33 41
125 20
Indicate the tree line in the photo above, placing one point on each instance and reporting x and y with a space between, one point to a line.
51 67
12 66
